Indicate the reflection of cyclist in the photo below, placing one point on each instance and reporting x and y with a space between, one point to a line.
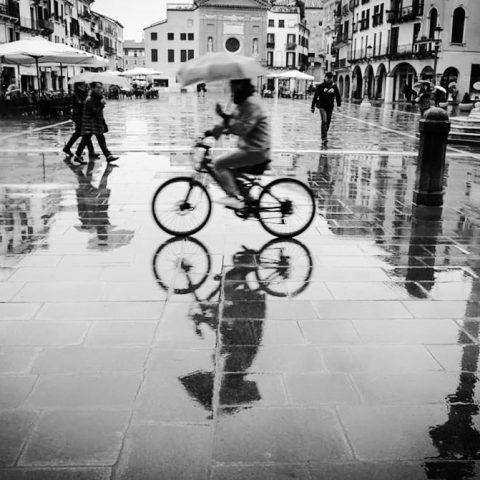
249 122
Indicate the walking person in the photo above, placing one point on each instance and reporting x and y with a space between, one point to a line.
424 100
93 123
78 101
324 98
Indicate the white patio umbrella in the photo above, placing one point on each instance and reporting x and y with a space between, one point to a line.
139 71
37 50
296 74
106 78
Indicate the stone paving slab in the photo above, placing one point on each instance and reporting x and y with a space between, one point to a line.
357 360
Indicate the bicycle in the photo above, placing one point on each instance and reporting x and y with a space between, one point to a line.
285 207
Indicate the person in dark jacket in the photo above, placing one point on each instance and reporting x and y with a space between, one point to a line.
325 95
78 100
93 123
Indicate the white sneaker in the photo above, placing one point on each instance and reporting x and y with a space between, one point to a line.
231 202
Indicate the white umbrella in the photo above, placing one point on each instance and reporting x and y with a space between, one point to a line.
37 50
106 78
438 87
139 71
297 74
216 66
476 85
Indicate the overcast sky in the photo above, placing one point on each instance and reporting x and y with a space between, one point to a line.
134 16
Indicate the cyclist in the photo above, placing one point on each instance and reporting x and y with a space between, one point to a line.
249 122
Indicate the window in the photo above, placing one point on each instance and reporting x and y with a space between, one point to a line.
269 59
171 56
458 25
291 59
183 36
281 23
190 36
433 22
210 44
232 45
170 36
153 36
271 23
154 55
255 47
191 54
183 55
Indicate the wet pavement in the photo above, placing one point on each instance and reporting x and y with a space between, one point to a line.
350 352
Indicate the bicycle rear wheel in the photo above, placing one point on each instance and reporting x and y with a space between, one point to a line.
286 207
181 206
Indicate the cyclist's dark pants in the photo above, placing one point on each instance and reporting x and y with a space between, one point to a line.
225 165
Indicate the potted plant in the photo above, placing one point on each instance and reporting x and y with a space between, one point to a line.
466 104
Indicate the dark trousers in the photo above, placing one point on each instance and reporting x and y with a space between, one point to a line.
75 136
326 116
88 138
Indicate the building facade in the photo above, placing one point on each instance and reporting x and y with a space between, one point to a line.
133 54
190 31
71 22
317 47
379 46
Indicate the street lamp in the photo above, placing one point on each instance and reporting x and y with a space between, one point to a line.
436 32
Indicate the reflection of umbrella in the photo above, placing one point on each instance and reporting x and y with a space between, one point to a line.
219 66
103 77
438 87
199 385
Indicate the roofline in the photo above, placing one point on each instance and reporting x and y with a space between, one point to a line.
156 23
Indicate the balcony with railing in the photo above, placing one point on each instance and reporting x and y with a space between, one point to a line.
270 44
46 26
291 46
342 39
400 52
406 14
10 10
378 52
86 15
29 24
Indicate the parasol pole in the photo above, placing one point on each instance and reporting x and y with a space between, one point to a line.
61 78
38 74
19 78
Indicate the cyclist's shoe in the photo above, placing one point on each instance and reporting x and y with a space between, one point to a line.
234 202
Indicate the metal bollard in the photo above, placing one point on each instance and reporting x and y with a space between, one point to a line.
434 129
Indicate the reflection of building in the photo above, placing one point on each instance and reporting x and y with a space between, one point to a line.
24 215
381 45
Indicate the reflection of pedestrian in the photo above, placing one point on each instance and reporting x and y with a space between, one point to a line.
78 101
92 202
93 122
325 95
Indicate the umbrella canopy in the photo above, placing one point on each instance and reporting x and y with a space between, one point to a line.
140 71
38 50
438 87
423 83
216 66
106 78
476 85
297 74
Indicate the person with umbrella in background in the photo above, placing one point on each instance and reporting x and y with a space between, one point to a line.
325 95
93 123
78 101
424 99
249 122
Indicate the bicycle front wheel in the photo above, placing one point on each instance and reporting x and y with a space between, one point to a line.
181 206
286 207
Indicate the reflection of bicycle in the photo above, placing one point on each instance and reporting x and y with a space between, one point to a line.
282 267
284 207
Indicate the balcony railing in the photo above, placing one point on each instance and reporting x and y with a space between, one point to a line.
270 44
46 26
27 23
406 14
10 9
342 40
291 46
